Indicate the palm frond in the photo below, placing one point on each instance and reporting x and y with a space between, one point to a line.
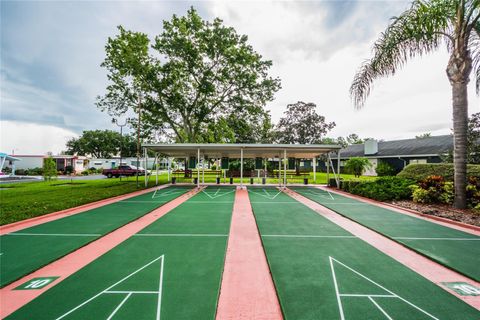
419 30
475 52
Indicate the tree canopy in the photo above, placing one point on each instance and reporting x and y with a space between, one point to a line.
102 144
195 77
302 124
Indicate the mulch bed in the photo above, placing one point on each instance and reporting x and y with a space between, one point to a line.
468 216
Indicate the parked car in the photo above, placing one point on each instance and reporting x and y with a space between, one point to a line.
123 171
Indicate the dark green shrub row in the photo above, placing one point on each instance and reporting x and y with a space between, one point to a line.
419 172
382 189
29 172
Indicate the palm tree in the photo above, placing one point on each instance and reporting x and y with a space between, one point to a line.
420 30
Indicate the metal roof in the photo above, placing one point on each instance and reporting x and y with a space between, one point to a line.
250 150
431 146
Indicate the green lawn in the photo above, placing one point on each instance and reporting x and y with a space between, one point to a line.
21 201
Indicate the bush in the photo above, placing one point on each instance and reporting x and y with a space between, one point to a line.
382 189
213 167
85 173
433 189
49 169
384 169
34 172
68 170
419 172
21 172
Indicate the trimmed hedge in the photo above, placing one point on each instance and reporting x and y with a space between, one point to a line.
382 189
419 172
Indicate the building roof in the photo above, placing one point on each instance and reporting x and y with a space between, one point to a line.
431 146
250 150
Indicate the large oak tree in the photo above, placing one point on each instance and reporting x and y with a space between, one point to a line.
194 74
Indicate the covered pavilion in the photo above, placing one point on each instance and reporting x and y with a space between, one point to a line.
201 151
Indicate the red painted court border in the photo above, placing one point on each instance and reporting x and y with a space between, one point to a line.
247 289
27 223
12 300
427 268
438 220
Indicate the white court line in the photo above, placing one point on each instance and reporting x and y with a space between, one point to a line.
117 283
347 203
179 235
367 295
210 202
337 293
216 195
451 239
378 285
380 308
55 234
270 202
266 195
140 292
141 201
119 306
303 236
320 194
166 193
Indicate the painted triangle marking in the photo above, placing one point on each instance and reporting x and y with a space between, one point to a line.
217 194
265 194
128 293
371 297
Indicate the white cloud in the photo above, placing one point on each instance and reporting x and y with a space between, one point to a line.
31 138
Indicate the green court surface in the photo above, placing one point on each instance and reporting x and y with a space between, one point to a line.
172 269
321 271
450 247
27 250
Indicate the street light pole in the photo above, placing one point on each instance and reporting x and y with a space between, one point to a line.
138 133
121 138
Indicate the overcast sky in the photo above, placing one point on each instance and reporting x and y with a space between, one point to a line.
51 54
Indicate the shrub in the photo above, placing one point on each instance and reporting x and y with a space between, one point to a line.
385 169
213 167
419 172
85 173
21 172
433 189
35 172
68 169
382 189
357 165
49 168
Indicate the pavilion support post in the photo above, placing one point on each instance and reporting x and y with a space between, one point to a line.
169 167
314 170
279 170
203 169
284 168
156 168
265 171
146 166
241 168
338 169
198 168
328 168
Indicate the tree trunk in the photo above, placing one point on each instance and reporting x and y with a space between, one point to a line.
460 124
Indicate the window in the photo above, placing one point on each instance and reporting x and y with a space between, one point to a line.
418 161
98 163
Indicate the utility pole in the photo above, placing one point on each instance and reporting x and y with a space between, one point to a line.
121 139
138 133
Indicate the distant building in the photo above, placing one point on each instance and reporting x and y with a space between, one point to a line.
400 153
77 163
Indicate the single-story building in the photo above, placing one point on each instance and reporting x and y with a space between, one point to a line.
109 163
78 163
400 153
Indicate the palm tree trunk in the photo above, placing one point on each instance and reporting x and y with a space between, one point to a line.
460 124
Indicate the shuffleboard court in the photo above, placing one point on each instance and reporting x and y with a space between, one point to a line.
321 271
27 250
170 270
452 248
